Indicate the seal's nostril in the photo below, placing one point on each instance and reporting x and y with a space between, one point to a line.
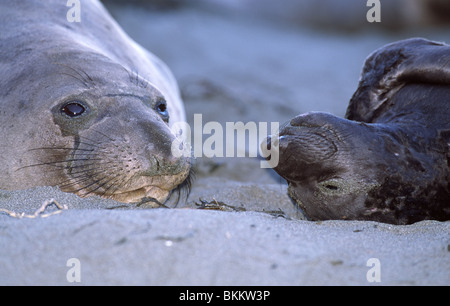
269 142
273 141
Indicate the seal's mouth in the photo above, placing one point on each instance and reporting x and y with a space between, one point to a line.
133 196
156 189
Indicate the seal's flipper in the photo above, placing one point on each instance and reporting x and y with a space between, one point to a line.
387 69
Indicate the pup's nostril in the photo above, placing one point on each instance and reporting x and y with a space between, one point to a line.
269 142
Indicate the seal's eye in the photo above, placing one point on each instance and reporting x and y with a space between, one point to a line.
161 108
73 109
332 186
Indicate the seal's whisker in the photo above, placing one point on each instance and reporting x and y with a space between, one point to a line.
104 135
93 142
136 79
86 155
130 74
41 164
90 144
80 179
80 156
84 83
289 156
57 162
87 82
58 148
111 184
100 147
71 182
124 182
55 167
91 172
68 167
88 76
187 184
185 187
96 183
97 166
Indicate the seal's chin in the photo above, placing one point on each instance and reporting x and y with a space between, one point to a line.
134 196
157 188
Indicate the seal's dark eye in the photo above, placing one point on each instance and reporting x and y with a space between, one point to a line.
161 108
332 186
73 109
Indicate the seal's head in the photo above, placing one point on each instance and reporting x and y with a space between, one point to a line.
389 160
341 169
325 158
85 108
109 134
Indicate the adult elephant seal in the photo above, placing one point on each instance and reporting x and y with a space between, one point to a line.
83 106
388 161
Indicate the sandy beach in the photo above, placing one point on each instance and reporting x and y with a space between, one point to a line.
238 226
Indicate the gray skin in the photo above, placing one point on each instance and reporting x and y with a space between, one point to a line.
84 107
389 160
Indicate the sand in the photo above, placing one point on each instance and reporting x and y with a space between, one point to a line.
238 226
206 247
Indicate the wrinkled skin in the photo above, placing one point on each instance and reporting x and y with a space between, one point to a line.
84 107
388 161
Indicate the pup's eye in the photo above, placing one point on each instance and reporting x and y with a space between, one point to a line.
161 109
331 186
73 109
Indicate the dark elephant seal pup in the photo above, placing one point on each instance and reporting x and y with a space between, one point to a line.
83 106
389 160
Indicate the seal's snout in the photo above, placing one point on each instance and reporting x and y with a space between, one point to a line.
270 145
167 165
162 161
307 142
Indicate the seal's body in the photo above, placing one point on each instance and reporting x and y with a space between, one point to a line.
84 107
389 160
